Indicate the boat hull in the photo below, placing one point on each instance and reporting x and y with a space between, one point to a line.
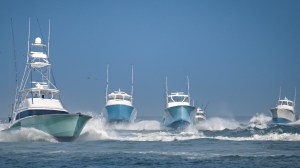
178 116
119 113
282 116
63 127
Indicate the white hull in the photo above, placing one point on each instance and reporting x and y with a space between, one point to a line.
283 115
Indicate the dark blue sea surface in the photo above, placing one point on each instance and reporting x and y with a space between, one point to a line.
216 142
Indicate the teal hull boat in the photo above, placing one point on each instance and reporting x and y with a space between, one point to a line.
63 127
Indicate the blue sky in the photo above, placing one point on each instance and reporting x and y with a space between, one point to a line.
236 53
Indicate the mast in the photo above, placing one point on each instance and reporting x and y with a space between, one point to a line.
48 52
132 84
279 93
106 90
188 87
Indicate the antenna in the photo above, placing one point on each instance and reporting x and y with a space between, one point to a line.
166 91
107 66
132 83
48 41
188 87
279 93
28 41
295 98
48 52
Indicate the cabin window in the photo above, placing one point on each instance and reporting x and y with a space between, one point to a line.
119 97
290 104
43 96
284 103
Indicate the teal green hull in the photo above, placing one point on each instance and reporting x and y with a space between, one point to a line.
63 127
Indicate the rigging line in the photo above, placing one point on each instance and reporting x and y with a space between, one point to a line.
15 66
54 82
14 52
43 76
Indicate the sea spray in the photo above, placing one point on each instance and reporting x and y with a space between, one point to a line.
216 123
25 134
141 125
266 137
260 121
146 130
96 129
3 125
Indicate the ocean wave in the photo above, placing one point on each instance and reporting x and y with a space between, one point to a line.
258 128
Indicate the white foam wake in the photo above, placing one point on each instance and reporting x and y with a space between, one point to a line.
267 137
149 125
147 130
159 136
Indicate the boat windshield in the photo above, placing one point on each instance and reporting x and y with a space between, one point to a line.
44 94
179 99
119 97
289 103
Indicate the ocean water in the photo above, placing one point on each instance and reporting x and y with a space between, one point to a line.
217 142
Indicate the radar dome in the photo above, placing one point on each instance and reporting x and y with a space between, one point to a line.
38 40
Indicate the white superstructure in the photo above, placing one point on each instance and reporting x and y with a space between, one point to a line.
36 90
200 115
178 99
119 97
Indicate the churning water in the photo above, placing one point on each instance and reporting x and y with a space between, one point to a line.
216 142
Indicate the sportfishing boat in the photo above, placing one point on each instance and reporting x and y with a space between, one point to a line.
179 112
37 103
119 105
284 112
200 115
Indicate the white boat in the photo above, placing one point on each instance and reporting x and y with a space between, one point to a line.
37 102
200 115
179 112
284 112
119 105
